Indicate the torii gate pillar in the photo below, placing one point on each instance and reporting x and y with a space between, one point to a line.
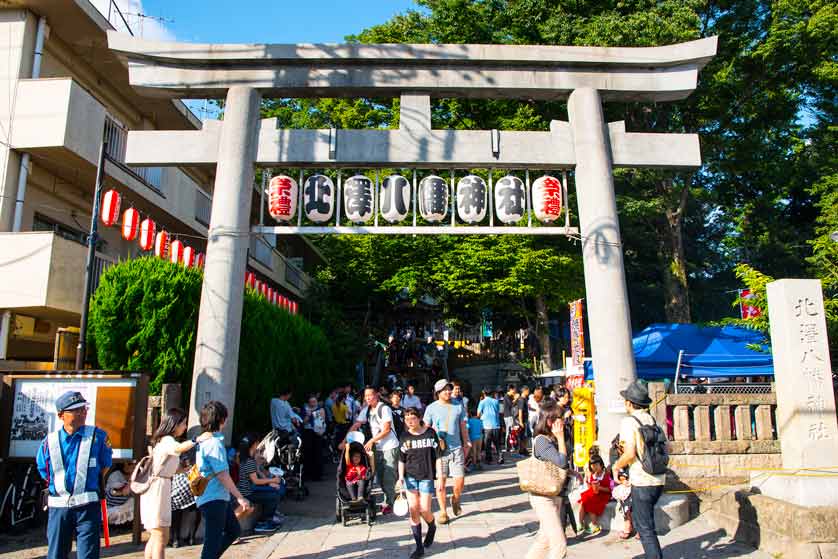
602 254
222 296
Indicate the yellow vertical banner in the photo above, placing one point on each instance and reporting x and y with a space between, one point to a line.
584 424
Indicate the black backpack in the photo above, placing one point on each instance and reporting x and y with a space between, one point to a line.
655 457
398 420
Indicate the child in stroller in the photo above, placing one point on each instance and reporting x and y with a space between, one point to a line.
354 485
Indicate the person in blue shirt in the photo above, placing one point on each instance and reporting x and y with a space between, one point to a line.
282 416
488 410
221 528
475 436
73 461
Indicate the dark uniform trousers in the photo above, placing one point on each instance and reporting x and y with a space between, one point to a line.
84 522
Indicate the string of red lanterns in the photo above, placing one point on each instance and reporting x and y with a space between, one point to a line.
149 238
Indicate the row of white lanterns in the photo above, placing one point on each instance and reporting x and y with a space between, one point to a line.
319 196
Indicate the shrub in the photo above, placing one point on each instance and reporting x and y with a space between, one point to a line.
144 316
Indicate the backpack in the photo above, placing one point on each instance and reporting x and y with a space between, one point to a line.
141 477
655 457
398 422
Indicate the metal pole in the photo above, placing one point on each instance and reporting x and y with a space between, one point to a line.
678 369
81 348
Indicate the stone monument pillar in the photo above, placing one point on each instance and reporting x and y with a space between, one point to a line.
222 295
606 295
806 422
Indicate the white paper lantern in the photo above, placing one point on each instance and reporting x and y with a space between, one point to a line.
472 199
357 198
510 199
282 198
395 198
319 198
547 198
433 198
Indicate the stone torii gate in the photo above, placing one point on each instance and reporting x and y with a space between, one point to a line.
242 74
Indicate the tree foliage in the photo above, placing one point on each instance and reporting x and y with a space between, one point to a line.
144 316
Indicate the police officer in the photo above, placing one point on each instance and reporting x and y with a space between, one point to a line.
72 460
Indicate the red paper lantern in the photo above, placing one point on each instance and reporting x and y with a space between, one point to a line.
188 256
130 224
293 307
176 252
200 260
110 207
249 279
271 293
147 232
265 290
547 198
282 198
161 244
257 285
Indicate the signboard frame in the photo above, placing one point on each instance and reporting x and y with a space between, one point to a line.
137 382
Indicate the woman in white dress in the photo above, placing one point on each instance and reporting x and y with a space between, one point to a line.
156 503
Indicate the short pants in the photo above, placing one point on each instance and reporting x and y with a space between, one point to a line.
420 485
454 463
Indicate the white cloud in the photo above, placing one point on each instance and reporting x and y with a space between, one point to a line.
145 27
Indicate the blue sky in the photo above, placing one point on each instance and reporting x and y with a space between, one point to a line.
265 21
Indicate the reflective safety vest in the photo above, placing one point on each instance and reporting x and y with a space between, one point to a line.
79 496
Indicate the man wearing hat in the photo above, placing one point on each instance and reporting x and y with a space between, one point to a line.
449 420
72 460
646 488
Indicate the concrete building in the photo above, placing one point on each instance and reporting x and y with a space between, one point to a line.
63 92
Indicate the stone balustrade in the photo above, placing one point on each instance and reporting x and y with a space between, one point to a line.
717 438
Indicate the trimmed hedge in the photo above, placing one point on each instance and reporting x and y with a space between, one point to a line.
144 316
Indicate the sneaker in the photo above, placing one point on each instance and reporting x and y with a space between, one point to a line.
278 518
263 527
500 460
386 509
455 506
594 530
443 517
417 553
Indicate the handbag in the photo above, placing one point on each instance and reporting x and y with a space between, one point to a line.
540 477
197 481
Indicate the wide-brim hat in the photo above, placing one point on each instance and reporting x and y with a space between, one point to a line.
441 384
637 393
70 401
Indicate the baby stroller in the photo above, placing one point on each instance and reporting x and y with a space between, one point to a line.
345 508
285 450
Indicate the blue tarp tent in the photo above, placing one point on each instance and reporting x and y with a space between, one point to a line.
710 352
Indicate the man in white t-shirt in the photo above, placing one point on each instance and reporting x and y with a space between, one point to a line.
384 443
646 488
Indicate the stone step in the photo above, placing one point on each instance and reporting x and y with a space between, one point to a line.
672 510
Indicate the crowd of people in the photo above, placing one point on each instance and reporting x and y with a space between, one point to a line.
414 448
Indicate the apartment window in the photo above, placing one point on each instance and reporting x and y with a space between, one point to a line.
203 208
116 135
43 223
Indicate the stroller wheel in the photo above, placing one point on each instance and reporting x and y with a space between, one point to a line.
338 510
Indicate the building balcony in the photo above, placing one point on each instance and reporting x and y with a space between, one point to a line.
63 126
44 272
267 260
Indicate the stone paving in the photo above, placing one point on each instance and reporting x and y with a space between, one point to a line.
497 522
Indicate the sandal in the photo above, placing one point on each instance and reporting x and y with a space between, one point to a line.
623 535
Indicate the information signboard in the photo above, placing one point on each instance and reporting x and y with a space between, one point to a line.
114 401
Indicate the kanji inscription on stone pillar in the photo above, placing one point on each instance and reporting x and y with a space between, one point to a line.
806 420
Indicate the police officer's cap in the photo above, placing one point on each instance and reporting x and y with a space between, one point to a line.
70 401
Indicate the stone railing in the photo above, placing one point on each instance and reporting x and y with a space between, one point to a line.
717 438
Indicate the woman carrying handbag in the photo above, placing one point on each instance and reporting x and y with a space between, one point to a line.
549 446
156 501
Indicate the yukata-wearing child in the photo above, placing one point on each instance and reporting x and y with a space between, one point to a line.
596 496
622 493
